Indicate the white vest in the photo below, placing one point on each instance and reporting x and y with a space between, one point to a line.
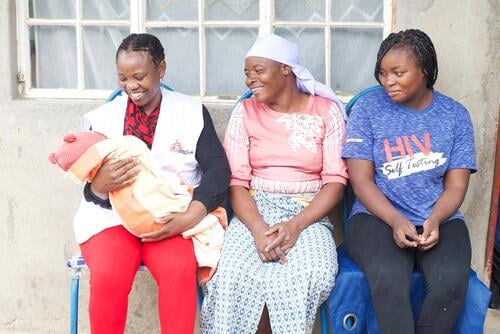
174 147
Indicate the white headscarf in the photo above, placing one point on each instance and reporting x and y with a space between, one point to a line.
283 51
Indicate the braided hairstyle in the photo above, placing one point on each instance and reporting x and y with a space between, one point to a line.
143 42
419 44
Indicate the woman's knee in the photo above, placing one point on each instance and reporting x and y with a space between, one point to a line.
111 282
173 254
389 283
451 286
183 264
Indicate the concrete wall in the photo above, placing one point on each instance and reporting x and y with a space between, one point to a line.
37 204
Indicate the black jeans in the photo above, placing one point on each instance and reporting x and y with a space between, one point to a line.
388 269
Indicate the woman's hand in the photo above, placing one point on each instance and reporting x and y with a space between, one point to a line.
430 235
405 234
456 182
176 223
287 234
173 224
266 254
113 175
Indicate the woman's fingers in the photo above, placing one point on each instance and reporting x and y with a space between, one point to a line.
281 254
122 173
272 230
276 242
405 234
430 241
401 239
124 167
115 174
264 256
273 255
160 234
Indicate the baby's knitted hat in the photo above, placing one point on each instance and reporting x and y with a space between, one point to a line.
75 145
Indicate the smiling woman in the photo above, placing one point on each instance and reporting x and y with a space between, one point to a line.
409 167
140 70
180 134
278 262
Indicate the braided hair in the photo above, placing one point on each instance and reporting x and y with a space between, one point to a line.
143 42
419 44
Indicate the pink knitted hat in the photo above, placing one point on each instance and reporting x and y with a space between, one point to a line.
75 145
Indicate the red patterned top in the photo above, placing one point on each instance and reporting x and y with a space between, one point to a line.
140 125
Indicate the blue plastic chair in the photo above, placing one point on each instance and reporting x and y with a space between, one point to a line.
348 198
323 312
350 306
77 263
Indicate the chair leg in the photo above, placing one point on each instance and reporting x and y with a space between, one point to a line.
75 282
323 315
200 295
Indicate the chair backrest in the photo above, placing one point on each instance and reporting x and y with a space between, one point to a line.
118 92
348 106
348 199
356 97
244 96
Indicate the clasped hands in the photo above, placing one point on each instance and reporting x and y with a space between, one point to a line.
274 243
405 234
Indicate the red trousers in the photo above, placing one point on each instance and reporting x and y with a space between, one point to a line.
113 257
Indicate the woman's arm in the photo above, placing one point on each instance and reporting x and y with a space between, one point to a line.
213 189
245 209
362 176
334 177
111 175
456 182
462 163
324 201
288 232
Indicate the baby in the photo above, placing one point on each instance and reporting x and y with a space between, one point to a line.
152 196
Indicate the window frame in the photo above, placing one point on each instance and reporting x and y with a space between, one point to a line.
138 23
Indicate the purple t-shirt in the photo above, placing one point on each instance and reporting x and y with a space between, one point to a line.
411 149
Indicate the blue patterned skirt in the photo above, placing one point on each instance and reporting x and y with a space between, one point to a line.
293 291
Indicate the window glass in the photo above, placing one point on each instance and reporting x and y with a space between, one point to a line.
53 57
226 49
357 10
353 58
49 9
167 10
204 57
300 10
106 10
99 50
311 43
231 10
182 56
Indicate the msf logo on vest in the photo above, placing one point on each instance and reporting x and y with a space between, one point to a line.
407 155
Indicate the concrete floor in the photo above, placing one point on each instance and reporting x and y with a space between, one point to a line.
492 323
